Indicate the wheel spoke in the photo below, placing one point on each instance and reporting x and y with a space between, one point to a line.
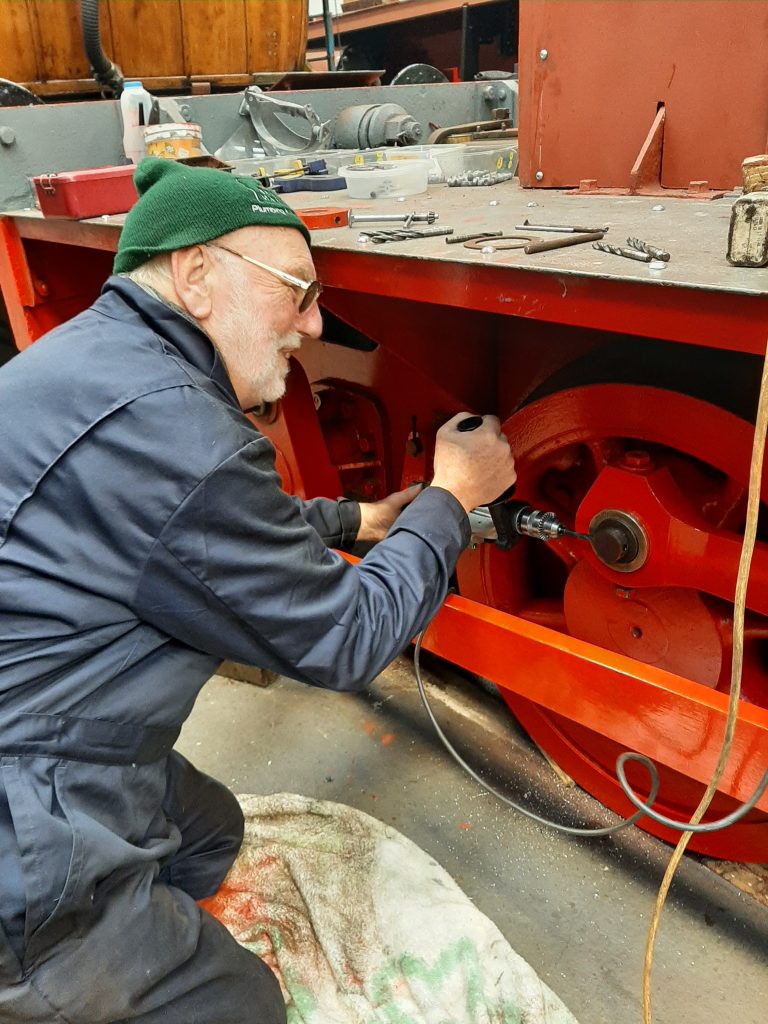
568 550
731 506
604 451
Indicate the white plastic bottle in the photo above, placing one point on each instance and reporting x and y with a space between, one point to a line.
134 99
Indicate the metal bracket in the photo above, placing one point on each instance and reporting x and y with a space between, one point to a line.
270 116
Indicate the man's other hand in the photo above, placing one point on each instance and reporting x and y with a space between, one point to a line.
475 466
376 517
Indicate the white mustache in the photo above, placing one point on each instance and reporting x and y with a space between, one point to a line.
290 343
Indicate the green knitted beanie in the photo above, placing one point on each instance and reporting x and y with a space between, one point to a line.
180 206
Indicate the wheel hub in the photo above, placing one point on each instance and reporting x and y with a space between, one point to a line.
618 540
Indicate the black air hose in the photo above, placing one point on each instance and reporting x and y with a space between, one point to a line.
104 71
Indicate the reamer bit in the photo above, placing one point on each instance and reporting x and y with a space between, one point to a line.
652 250
617 250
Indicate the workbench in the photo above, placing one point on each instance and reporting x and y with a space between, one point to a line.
690 300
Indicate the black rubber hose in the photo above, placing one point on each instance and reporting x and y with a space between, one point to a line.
104 71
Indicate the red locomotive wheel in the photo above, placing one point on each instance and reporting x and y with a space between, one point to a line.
684 461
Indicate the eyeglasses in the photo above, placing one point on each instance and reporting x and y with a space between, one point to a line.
311 289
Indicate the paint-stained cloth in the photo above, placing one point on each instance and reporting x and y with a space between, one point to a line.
361 926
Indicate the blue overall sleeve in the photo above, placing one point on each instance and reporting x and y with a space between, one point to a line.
238 572
337 522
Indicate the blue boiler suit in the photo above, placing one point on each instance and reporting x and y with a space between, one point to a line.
144 537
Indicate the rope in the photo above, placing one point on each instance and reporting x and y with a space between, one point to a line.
739 609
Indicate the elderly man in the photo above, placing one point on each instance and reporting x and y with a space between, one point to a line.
144 537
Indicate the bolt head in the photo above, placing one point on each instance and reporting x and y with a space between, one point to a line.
637 459
539 175
7 135
543 54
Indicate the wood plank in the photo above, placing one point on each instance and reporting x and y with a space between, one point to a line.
277 34
16 44
214 36
749 878
148 37
87 86
60 41
247 673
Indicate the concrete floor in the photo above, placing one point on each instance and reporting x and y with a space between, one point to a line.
577 910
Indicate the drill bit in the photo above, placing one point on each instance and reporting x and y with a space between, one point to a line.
652 250
404 234
617 250
565 532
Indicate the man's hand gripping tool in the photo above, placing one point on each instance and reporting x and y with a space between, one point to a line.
505 521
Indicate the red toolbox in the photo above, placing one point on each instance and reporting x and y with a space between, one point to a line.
79 194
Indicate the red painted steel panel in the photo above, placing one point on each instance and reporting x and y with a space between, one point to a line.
579 681
718 319
587 108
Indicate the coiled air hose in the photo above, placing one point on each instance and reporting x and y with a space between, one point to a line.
693 826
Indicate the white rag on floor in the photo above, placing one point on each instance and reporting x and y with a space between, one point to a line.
362 926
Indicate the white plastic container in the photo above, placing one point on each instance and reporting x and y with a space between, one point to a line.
388 179
133 99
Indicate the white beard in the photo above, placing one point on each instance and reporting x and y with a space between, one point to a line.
254 352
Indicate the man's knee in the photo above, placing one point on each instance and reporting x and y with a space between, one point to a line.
211 823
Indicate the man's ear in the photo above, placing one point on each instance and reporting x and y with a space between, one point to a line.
192 271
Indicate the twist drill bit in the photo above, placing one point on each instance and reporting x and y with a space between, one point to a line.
652 250
404 234
617 250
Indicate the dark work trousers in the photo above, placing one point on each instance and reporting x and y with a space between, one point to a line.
148 954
